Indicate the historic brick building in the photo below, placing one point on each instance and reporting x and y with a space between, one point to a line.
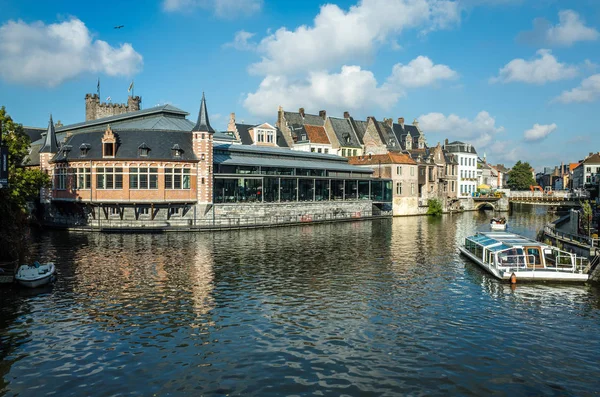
154 167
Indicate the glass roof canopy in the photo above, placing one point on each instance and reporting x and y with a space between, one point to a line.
501 240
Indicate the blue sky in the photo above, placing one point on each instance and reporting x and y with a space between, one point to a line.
519 79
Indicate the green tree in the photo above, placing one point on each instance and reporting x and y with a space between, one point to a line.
435 207
24 185
586 217
520 177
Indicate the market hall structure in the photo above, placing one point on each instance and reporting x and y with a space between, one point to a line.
156 168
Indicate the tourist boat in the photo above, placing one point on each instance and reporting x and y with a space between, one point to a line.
505 255
498 224
35 275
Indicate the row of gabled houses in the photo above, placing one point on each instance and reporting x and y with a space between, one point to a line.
156 165
447 172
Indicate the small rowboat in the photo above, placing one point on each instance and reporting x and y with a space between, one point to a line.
35 275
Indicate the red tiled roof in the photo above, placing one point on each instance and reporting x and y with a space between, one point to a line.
572 166
316 134
388 158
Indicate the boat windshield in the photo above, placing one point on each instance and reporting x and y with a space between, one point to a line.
512 257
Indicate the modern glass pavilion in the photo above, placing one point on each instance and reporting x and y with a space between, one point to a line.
271 175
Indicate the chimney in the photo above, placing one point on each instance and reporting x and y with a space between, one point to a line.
415 122
346 115
401 121
445 141
301 111
322 114
590 154
389 122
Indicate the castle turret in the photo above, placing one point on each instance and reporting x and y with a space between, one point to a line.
202 135
94 109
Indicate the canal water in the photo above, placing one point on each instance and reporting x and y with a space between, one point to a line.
382 307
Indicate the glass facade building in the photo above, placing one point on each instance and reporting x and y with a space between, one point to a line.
269 175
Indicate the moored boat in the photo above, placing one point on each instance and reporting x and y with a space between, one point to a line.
35 275
498 224
505 254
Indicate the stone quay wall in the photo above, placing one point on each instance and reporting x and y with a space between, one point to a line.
215 216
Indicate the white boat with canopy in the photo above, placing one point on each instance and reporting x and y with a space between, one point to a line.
503 254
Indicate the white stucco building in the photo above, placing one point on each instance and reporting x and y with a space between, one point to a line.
467 166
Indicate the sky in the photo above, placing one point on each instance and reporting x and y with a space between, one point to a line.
519 79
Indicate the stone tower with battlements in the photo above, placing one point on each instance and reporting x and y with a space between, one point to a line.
94 109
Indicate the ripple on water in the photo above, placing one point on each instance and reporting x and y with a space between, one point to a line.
366 308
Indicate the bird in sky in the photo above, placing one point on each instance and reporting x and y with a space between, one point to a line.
119 27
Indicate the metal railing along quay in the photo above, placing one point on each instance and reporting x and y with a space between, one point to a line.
585 240
213 224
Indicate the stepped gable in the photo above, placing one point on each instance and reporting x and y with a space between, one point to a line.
244 133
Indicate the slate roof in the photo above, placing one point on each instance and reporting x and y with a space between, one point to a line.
165 110
34 133
360 127
50 144
376 159
343 131
157 122
298 133
203 125
244 134
388 136
408 131
128 142
225 137
277 157
459 147
310 119
317 134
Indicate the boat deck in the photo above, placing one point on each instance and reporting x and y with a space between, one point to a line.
503 254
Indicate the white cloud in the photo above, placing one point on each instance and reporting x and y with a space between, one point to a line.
351 89
588 91
480 131
221 8
539 132
420 72
241 41
568 31
538 71
338 36
48 55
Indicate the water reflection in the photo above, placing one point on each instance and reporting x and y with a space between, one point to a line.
385 307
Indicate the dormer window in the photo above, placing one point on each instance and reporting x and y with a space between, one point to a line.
65 150
84 149
108 149
143 150
176 151
109 143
